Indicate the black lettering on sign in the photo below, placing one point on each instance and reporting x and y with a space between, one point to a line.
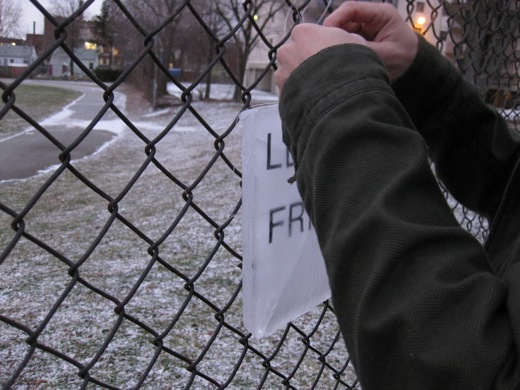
273 224
270 165
275 165
294 215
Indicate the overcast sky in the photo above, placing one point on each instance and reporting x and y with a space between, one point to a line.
31 14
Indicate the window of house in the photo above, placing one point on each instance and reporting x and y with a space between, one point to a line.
419 6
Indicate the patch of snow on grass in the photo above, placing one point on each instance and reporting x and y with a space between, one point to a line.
160 262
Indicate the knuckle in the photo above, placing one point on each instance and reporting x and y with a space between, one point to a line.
281 53
301 29
388 7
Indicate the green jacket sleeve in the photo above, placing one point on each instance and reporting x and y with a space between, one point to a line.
414 294
473 149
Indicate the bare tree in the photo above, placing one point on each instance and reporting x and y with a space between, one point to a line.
186 35
109 30
204 33
150 14
103 27
10 12
215 26
64 9
260 13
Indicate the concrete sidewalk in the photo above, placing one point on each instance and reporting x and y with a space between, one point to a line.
26 154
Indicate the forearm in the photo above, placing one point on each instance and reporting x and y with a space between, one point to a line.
470 143
411 289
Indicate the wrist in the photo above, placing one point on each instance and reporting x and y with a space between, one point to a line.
418 85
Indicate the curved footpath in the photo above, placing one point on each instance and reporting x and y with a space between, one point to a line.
29 152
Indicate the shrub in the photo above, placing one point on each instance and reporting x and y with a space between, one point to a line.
107 74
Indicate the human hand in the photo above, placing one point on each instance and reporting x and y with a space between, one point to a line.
305 41
382 26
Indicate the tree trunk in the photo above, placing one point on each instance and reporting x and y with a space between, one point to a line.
242 64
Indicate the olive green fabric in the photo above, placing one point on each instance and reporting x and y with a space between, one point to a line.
419 302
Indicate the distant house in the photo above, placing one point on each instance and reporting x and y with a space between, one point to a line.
14 55
59 64
14 59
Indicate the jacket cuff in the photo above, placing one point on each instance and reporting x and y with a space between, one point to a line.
421 88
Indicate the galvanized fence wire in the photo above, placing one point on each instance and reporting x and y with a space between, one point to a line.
123 270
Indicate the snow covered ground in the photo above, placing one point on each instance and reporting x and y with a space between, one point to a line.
141 255
222 92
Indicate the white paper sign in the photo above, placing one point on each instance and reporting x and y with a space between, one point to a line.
283 270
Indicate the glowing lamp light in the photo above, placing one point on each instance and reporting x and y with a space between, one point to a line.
255 17
421 20
90 46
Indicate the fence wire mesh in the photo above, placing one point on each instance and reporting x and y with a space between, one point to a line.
120 266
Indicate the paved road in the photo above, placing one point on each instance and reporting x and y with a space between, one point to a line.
25 154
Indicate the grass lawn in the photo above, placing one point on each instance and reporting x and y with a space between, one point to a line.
39 102
177 297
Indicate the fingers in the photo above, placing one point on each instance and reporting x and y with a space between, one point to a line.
306 40
384 28
364 18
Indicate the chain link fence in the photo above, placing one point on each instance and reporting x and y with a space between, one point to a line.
122 269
